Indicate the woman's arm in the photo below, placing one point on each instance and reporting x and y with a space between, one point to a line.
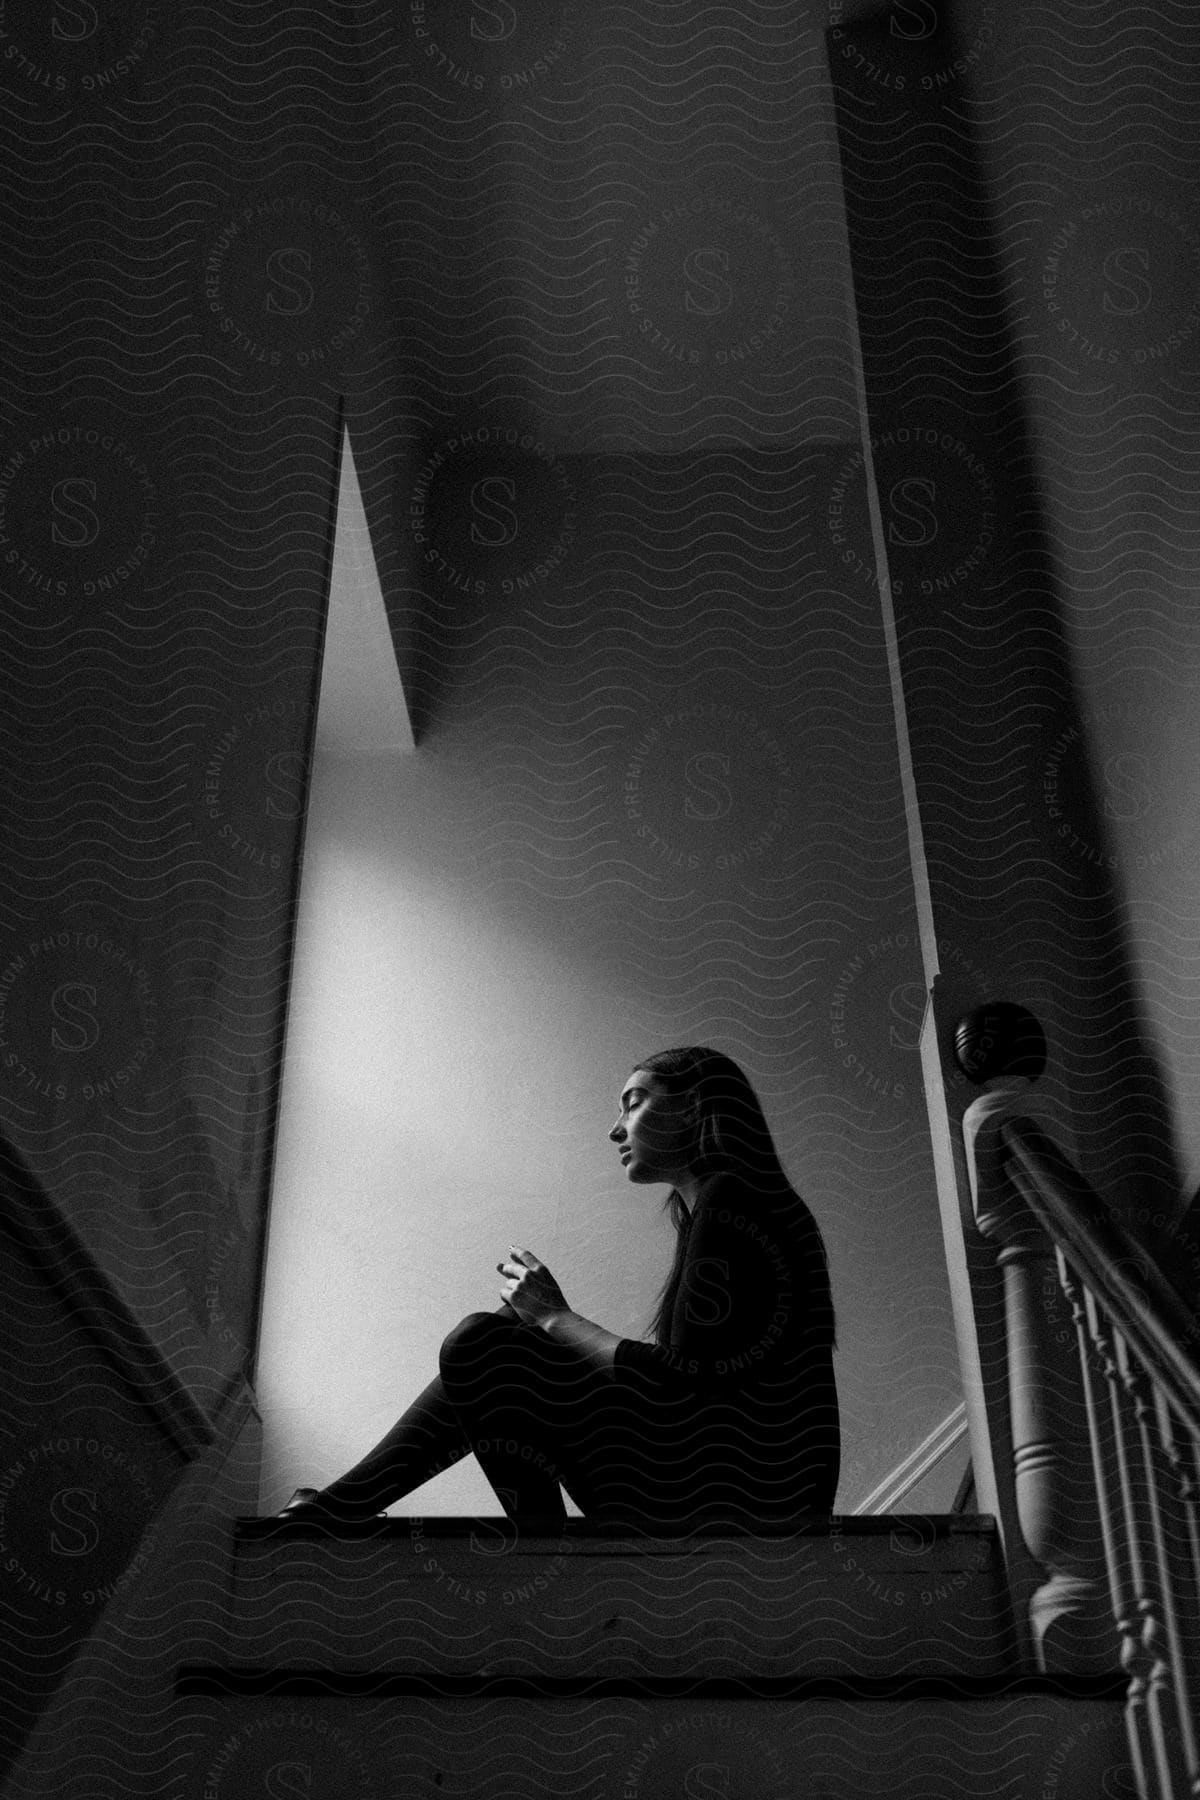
537 1299
587 1339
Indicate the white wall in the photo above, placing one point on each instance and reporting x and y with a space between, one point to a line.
449 1082
494 928
480 963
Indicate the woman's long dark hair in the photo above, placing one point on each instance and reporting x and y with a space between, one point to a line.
731 1134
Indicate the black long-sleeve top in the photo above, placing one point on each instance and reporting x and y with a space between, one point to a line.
742 1392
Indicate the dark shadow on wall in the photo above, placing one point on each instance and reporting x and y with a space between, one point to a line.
95 1431
985 653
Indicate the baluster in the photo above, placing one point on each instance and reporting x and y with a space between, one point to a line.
1183 1512
1145 1461
1163 1563
1094 1364
1056 1502
1144 1708
1145 1692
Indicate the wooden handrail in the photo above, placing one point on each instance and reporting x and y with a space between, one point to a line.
1135 1384
1122 1273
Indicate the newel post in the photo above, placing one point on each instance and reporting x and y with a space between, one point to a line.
1003 1048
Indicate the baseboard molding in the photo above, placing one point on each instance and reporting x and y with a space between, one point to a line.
928 1453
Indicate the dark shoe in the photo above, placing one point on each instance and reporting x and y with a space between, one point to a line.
308 1506
300 1505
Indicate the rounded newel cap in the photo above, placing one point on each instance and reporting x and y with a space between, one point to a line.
1000 1038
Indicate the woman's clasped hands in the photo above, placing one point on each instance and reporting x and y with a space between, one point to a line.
531 1289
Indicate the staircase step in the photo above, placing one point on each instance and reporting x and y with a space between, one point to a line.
315 1683
875 1598
1008 1746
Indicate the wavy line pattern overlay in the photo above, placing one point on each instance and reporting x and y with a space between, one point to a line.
650 327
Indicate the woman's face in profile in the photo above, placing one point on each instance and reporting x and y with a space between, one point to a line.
653 1131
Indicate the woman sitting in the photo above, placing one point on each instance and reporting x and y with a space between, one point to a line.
729 1416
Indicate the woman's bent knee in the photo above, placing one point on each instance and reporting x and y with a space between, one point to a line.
465 1338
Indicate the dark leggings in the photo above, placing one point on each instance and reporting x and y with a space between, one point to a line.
538 1418
506 1392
